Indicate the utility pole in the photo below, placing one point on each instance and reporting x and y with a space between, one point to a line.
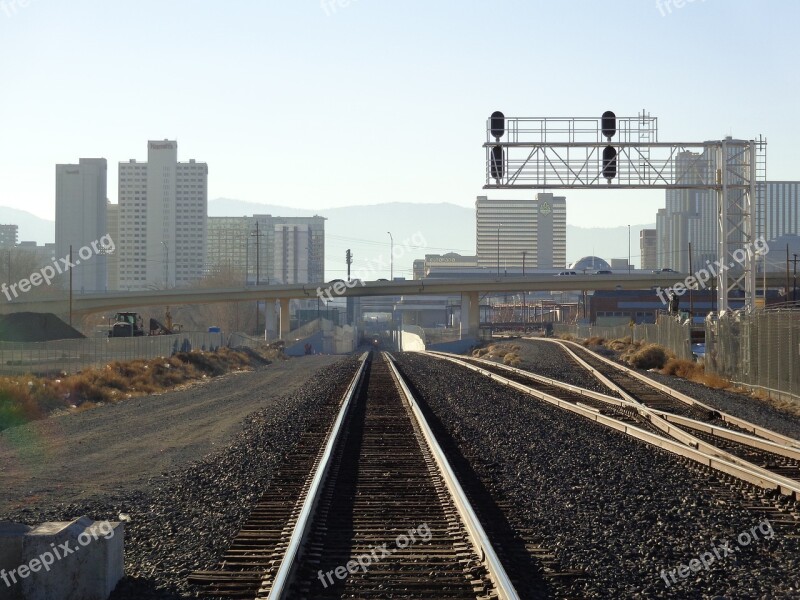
349 259
391 256
794 291
258 255
629 249
691 297
787 272
70 285
524 294
258 273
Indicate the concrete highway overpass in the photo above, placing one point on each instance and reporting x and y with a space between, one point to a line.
470 290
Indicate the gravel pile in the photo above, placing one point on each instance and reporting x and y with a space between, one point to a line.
35 327
611 506
186 519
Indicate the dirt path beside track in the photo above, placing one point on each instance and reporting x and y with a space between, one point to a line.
121 446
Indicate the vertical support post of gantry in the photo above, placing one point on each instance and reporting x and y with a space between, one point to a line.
723 227
284 318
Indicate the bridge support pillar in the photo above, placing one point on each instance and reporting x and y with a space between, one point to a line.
284 318
470 315
270 325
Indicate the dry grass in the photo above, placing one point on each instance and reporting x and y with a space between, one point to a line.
506 352
651 356
28 398
594 341
620 344
693 371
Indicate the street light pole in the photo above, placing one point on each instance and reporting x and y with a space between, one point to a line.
524 294
391 256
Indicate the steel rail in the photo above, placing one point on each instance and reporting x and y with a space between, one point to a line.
737 436
698 450
478 538
728 418
675 431
278 586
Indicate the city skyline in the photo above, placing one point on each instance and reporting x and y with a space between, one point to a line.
256 130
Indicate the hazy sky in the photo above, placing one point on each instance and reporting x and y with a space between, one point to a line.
321 103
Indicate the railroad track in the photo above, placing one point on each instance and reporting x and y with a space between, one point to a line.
661 416
382 514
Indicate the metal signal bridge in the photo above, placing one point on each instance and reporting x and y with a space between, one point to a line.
613 152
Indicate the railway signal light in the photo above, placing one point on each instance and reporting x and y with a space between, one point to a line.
609 163
608 124
497 124
497 166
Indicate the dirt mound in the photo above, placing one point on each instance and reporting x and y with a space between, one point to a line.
35 327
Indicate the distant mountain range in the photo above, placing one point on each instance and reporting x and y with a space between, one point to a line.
418 229
445 227
31 227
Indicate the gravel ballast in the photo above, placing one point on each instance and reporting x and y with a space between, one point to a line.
182 520
548 359
606 504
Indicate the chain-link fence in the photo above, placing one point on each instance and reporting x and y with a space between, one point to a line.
667 332
760 350
70 356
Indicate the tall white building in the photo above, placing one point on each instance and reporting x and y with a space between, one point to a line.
781 210
81 197
163 206
292 249
505 229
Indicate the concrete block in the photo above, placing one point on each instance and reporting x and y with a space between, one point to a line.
77 560
11 536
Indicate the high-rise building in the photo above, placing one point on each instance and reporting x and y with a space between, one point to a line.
163 208
81 197
690 216
781 210
228 245
269 249
8 236
292 249
505 229
648 239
